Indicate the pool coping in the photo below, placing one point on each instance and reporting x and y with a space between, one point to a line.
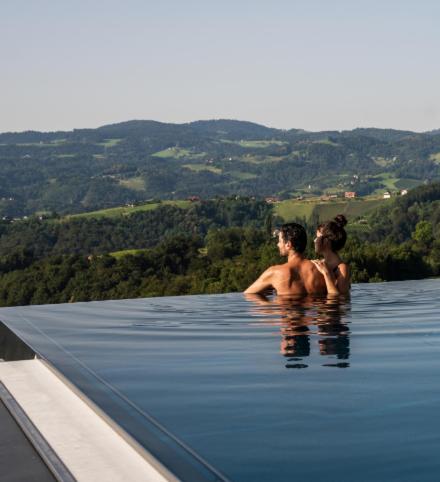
73 439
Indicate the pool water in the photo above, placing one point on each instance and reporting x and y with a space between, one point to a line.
261 389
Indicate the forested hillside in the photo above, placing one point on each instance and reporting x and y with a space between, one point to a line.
211 247
87 169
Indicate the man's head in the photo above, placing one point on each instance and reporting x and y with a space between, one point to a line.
292 236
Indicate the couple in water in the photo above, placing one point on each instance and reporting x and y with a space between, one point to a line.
300 276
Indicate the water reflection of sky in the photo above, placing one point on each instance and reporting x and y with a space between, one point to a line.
212 370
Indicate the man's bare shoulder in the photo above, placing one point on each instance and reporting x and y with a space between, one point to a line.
310 266
279 268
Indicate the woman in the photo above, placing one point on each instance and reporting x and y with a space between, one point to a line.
330 238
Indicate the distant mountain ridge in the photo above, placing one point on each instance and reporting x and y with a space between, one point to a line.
212 126
136 160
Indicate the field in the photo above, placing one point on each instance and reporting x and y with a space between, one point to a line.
179 153
408 183
134 183
125 252
110 142
351 208
126 210
260 144
435 157
242 176
394 184
54 143
203 167
254 159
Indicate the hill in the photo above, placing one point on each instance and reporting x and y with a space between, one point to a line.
89 169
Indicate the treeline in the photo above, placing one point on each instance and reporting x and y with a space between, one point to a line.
179 265
139 230
226 260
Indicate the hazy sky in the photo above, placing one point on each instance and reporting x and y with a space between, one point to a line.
289 64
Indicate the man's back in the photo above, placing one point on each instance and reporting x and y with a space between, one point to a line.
297 277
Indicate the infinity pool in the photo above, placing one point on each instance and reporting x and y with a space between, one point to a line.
257 389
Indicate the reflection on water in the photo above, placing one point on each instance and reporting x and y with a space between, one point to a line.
211 370
307 323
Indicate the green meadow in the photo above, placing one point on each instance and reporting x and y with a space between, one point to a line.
435 157
126 252
255 144
109 142
203 167
126 210
179 153
134 183
351 208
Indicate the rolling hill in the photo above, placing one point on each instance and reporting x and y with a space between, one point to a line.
89 169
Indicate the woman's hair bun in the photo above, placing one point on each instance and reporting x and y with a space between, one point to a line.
340 220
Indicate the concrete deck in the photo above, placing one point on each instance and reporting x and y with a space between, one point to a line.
85 442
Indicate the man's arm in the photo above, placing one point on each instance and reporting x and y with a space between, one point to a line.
263 283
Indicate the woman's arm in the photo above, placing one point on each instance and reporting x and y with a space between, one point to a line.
343 281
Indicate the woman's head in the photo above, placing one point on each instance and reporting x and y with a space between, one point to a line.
331 234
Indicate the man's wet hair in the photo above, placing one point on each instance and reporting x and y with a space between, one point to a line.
296 234
335 232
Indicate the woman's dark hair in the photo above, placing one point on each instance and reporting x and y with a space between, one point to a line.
335 232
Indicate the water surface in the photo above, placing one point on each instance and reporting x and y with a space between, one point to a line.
263 390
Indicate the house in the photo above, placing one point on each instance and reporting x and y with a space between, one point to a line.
349 194
194 198
404 192
386 195
272 199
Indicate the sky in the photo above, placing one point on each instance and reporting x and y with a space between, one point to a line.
311 64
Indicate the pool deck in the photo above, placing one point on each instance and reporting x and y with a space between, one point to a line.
76 441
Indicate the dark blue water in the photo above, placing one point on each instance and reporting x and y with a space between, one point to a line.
267 390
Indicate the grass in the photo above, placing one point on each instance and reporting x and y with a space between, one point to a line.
258 144
203 167
54 143
388 180
126 252
394 184
126 211
253 159
352 208
242 176
382 161
179 153
326 141
134 183
408 183
435 157
290 209
109 142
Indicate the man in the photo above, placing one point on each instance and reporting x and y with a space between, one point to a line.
298 276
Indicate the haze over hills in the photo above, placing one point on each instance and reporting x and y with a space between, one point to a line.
87 169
